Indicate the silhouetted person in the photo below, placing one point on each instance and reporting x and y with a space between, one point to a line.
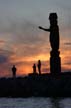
34 68
54 31
39 66
14 71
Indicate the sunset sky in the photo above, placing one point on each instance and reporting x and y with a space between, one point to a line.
22 43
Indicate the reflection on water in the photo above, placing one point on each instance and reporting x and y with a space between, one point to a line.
56 103
35 102
61 102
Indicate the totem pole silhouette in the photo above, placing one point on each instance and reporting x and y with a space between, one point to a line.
55 60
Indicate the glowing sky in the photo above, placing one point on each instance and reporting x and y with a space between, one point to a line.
22 43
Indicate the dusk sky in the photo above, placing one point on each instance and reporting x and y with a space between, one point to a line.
22 43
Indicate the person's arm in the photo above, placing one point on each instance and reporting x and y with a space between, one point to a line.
44 28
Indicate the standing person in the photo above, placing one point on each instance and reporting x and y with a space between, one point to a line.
39 66
34 68
14 71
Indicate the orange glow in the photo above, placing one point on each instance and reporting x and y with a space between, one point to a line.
24 63
42 57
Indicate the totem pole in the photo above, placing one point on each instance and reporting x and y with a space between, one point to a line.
55 60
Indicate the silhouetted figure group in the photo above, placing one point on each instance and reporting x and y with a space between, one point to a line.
55 62
14 71
38 66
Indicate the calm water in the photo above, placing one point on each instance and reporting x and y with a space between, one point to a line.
35 103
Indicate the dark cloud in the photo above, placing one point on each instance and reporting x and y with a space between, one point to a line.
5 56
67 63
3 59
68 43
6 52
5 63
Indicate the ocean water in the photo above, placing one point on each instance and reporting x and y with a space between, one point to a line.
35 102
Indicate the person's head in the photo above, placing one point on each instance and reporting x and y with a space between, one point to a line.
13 65
39 61
34 64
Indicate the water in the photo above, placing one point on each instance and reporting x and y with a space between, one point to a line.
35 102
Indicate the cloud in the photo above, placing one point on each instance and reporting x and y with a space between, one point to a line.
23 31
6 52
68 43
2 41
5 56
25 38
5 62
3 59
67 63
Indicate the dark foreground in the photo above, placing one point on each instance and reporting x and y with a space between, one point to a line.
46 85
